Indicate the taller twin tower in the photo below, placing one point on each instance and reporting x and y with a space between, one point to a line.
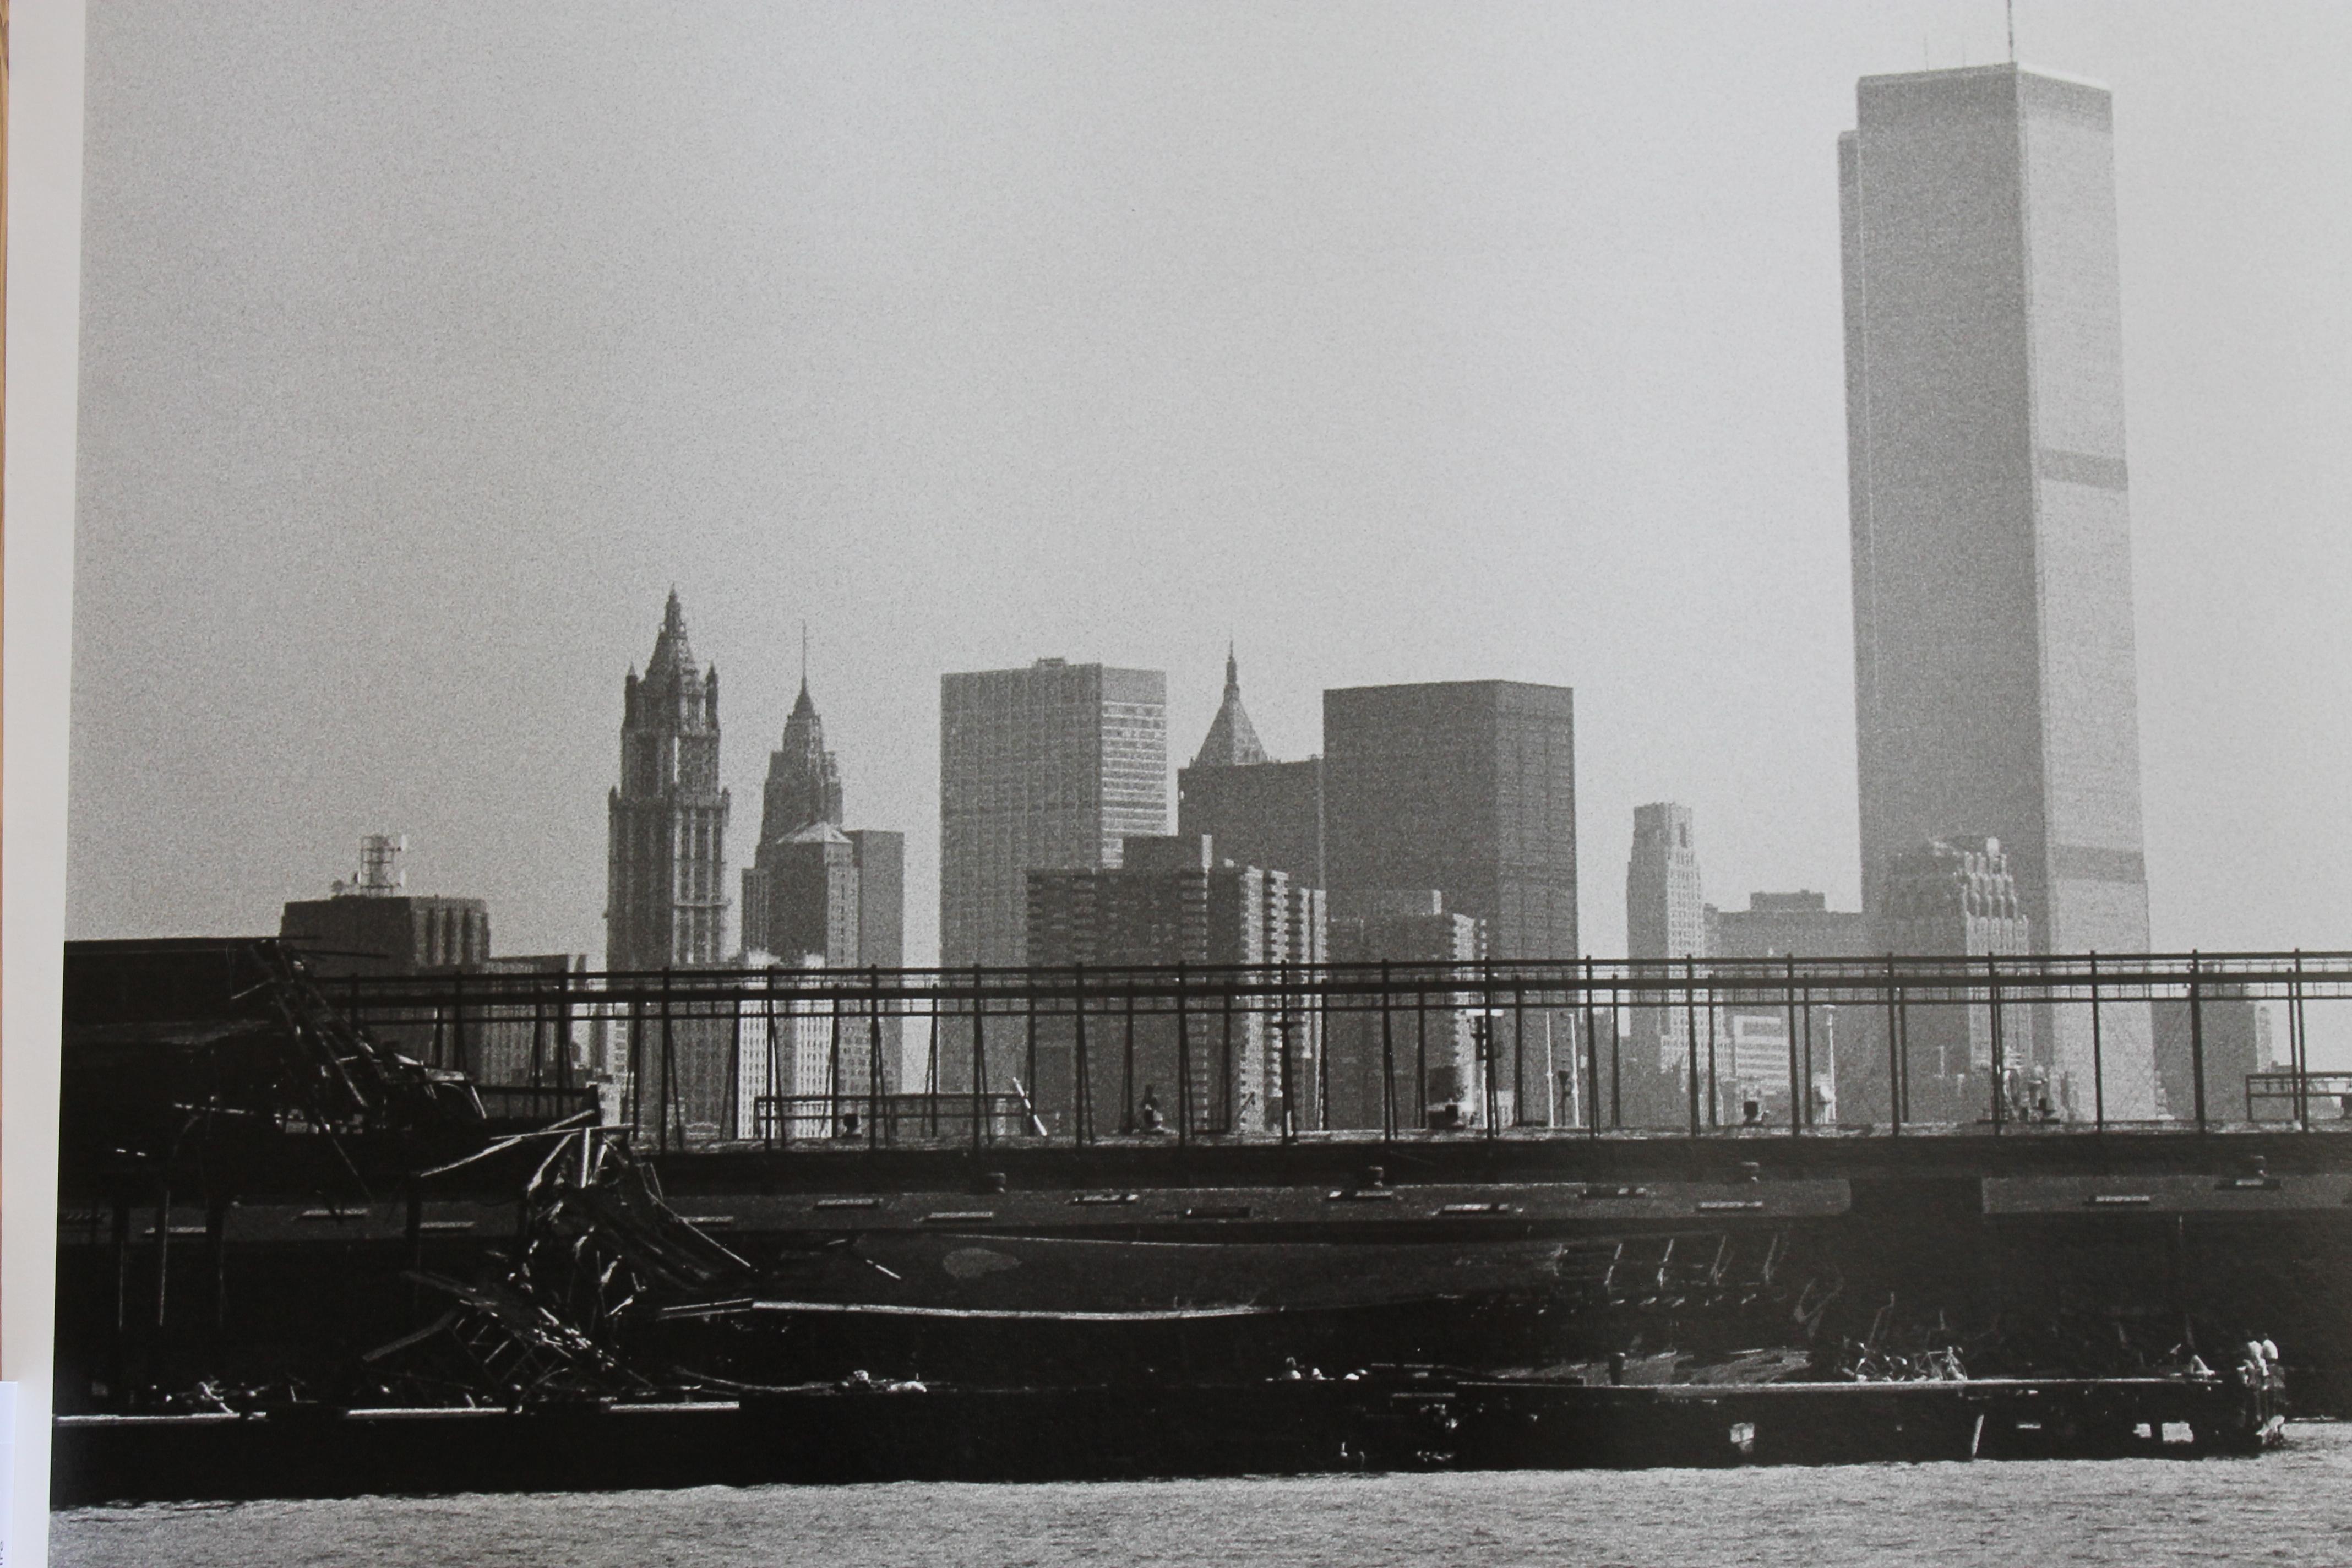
1994 673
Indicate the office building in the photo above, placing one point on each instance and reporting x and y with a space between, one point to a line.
1047 768
1420 1057
1995 681
1957 897
1172 900
1835 1045
804 1066
1666 929
1786 925
1468 787
373 925
2227 1035
534 1046
1260 812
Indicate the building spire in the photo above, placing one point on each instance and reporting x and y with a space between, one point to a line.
673 656
1232 740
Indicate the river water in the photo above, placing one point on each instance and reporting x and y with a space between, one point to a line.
2294 1506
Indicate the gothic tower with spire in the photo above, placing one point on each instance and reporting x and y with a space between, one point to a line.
812 889
666 899
800 892
814 894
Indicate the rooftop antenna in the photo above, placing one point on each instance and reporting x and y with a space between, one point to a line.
379 876
804 655
2009 6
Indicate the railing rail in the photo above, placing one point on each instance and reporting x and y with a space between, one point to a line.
1897 1043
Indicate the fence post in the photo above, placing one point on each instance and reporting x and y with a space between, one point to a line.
1518 1056
1183 1067
1616 1067
1796 1089
1894 1063
1082 1086
1999 1058
2298 1046
1388 1062
2196 1036
1690 1036
1289 1073
1591 1052
874 1061
1420 1054
978 1057
1714 1085
2098 1057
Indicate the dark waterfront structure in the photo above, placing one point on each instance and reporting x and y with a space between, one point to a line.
667 899
420 1259
1176 901
1468 787
1260 812
1994 668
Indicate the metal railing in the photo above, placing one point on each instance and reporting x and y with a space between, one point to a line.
1892 1045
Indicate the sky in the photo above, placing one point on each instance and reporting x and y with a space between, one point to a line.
426 347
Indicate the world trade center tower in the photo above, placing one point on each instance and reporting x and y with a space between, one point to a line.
1995 685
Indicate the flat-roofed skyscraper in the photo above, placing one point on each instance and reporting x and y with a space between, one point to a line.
1665 919
1047 768
1467 786
1995 682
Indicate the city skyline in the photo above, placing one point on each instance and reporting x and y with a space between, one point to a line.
1501 554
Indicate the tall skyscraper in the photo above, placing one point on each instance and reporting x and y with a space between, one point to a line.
1260 812
1047 768
666 900
1665 919
1468 787
1994 668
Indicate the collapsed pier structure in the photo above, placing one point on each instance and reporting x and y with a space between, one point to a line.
264 1208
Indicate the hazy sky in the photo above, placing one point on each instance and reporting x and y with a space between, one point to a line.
425 346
